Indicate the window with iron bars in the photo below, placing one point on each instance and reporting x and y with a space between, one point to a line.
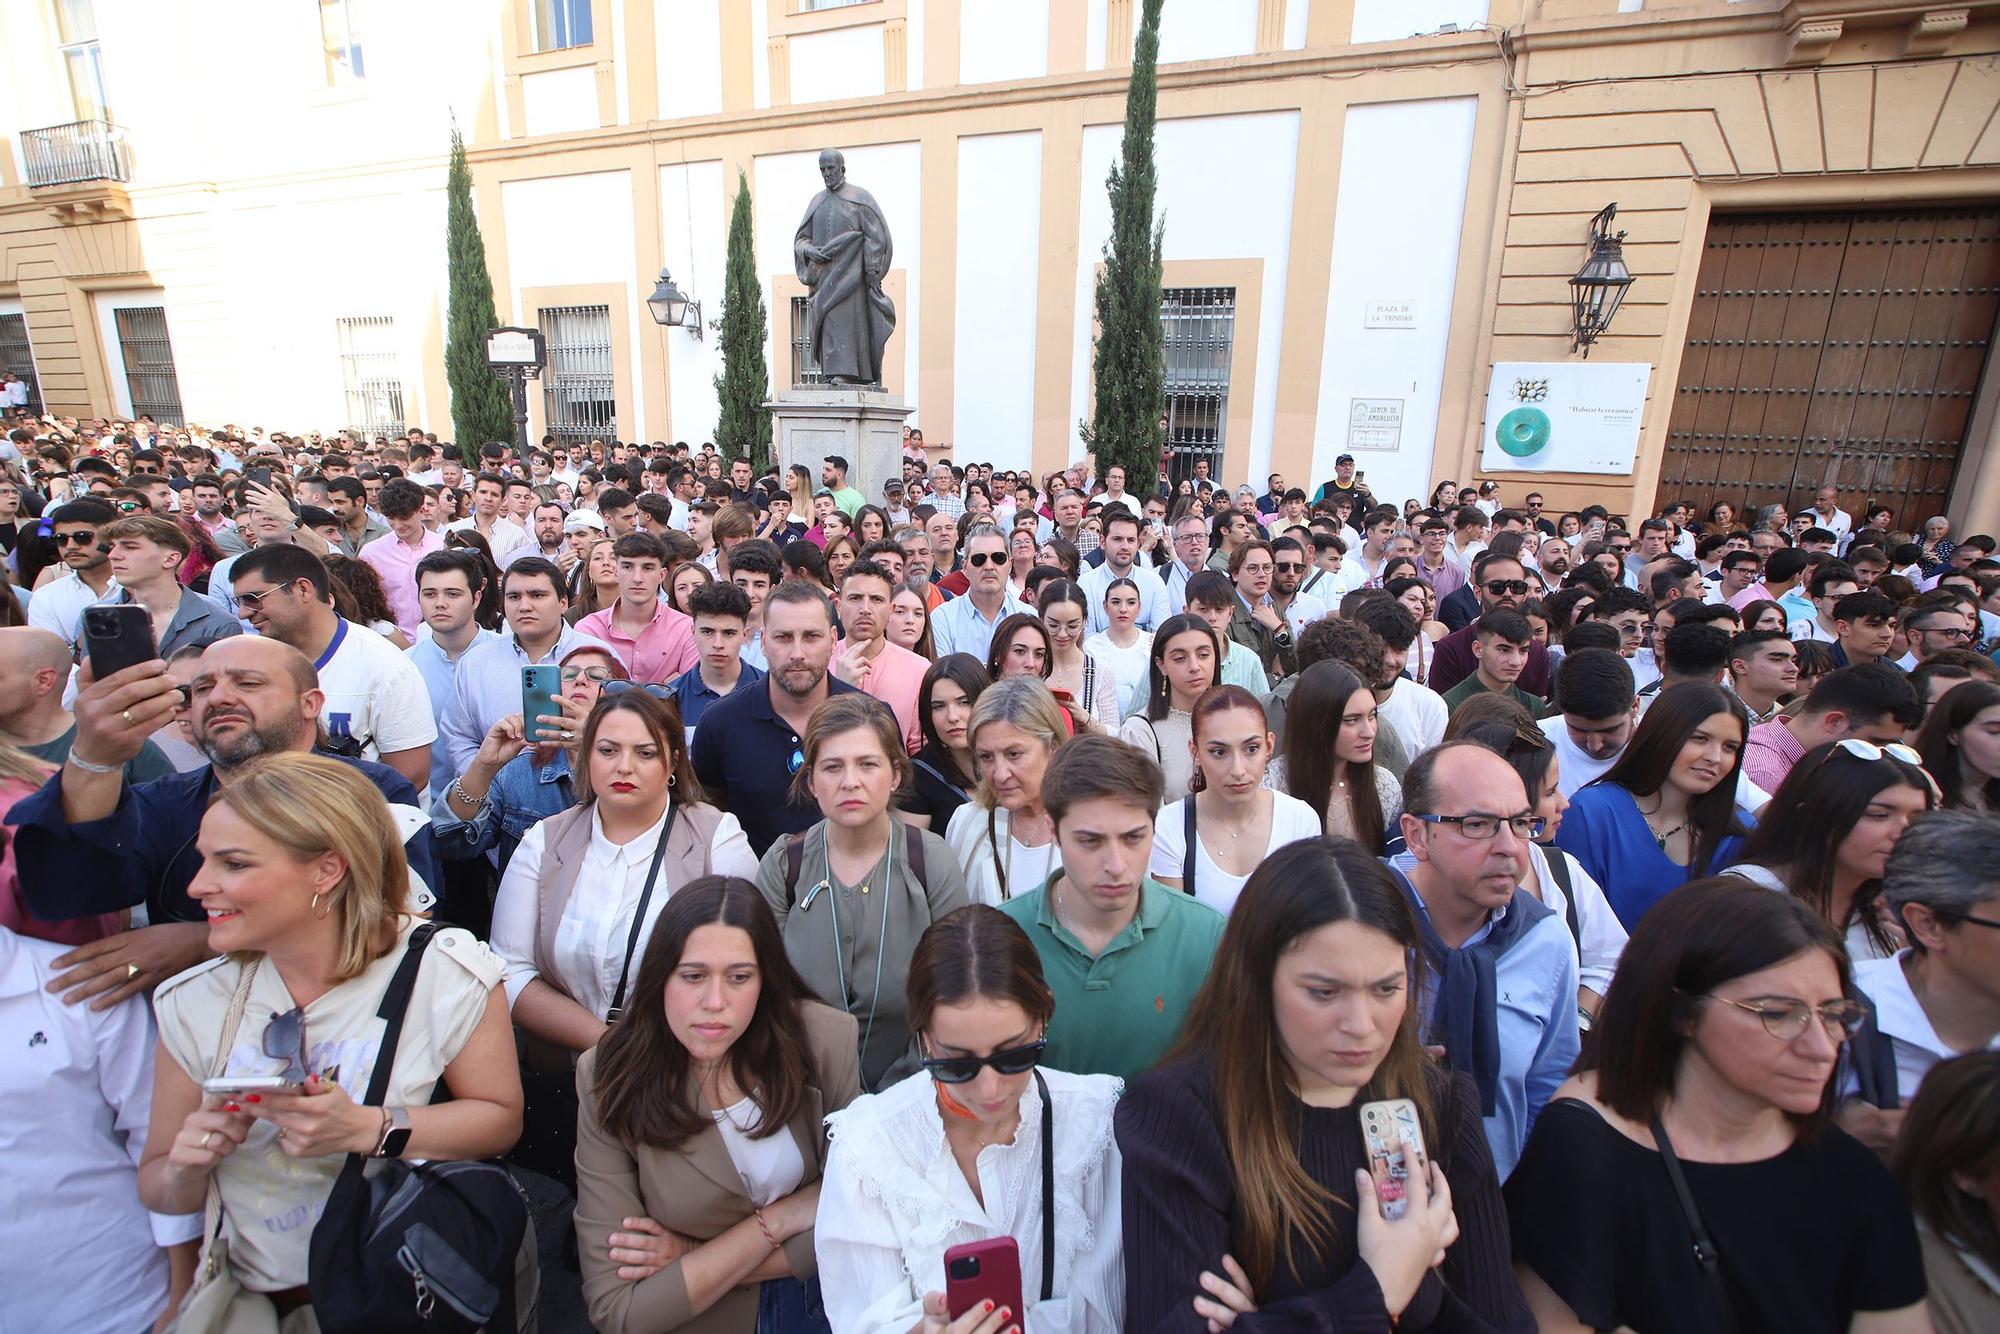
1198 329
368 375
805 362
148 354
578 396
18 355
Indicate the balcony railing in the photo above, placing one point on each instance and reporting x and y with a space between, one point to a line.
84 150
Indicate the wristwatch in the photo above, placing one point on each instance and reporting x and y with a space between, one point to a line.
395 1133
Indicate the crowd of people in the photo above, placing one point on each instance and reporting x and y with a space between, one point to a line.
812 882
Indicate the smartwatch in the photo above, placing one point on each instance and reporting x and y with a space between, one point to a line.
395 1133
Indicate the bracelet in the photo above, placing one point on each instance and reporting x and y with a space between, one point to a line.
765 1228
91 768
466 797
382 1140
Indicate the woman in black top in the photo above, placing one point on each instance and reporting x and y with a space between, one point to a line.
941 773
1716 1044
1247 1203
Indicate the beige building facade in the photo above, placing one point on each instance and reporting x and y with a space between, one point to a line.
234 212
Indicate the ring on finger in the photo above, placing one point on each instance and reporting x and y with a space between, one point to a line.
281 1132
569 736
207 1139
131 971
126 714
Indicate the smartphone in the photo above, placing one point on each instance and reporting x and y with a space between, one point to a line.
117 637
541 687
984 1271
1385 1127
229 1086
261 476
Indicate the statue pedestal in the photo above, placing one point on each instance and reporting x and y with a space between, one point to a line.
863 426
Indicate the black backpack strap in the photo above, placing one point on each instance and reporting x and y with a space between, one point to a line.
1706 1257
1558 861
639 914
913 845
395 1004
1188 853
795 857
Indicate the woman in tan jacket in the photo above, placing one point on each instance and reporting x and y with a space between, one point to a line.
699 1139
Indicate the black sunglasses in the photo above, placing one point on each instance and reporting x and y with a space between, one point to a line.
285 1040
965 1069
1498 586
77 539
978 558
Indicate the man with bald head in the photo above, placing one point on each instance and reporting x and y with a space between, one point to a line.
34 668
89 842
1503 1004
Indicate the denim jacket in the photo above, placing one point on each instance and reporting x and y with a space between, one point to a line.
521 797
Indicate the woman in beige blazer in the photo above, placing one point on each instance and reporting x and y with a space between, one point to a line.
699 1129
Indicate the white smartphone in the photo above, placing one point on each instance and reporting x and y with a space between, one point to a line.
1385 1127
234 1085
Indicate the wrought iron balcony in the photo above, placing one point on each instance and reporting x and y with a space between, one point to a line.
84 150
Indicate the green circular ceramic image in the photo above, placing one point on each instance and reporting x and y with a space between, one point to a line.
1523 432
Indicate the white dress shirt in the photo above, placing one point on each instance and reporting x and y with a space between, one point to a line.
894 1199
58 605
1096 579
77 1249
1900 1017
1602 935
597 920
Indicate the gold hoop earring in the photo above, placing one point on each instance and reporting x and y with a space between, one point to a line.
319 916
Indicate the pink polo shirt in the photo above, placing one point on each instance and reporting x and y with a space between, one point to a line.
663 650
894 675
1770 752
396 563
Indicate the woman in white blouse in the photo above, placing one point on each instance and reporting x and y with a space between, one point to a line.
585 887
1092 684
959 1153
1004 838
1121 645
1237 821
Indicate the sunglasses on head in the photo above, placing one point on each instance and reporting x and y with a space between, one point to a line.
965 1069
654 689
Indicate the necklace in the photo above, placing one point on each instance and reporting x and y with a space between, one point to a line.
1660 837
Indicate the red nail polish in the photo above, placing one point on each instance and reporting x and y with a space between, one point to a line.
231 1107
989 1306
253 1097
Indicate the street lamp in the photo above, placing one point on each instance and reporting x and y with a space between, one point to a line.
1599 286
673 310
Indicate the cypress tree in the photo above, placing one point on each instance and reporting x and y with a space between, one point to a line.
480 408
743 428
1130 364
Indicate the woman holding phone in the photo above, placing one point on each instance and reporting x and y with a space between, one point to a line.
1248 1202
980 1144
699 1139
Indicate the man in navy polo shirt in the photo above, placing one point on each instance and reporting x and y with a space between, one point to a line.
751 743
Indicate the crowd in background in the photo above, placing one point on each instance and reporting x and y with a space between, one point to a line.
830 879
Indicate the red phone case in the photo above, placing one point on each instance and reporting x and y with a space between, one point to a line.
998 1280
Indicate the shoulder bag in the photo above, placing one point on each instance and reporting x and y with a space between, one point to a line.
417 1246
1706 1257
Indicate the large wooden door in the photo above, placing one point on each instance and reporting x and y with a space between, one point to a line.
1834 347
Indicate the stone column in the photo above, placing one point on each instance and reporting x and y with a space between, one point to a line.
863 426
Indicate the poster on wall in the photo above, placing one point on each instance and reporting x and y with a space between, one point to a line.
1554 416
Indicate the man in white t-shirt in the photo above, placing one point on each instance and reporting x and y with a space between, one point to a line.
376 700
1417 712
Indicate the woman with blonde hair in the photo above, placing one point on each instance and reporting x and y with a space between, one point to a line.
1004 837
306 890
853 893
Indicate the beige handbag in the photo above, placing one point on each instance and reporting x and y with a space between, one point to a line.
218 1303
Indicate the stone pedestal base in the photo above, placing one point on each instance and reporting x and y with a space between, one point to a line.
863 426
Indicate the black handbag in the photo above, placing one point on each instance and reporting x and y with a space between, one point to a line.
417 1246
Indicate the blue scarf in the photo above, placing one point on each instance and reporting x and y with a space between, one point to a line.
1465 1013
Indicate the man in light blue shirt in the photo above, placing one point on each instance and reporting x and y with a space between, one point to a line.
488 684
1501 995
1121 551
965 625
449 584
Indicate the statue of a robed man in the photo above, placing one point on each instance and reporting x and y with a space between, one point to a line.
841 251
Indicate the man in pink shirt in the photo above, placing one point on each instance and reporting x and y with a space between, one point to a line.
395 555
655 642
1874 703
868 661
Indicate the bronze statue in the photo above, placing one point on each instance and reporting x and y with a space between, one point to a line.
841 251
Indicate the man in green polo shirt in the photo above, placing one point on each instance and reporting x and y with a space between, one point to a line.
1500 640
1123 954
833 475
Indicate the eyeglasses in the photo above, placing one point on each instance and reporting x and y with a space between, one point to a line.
965 1069
615 688
979 559
83 539
1786 1018
1956 632
285 1040
594 675
1499 586
256 600
1973 918
1480 828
